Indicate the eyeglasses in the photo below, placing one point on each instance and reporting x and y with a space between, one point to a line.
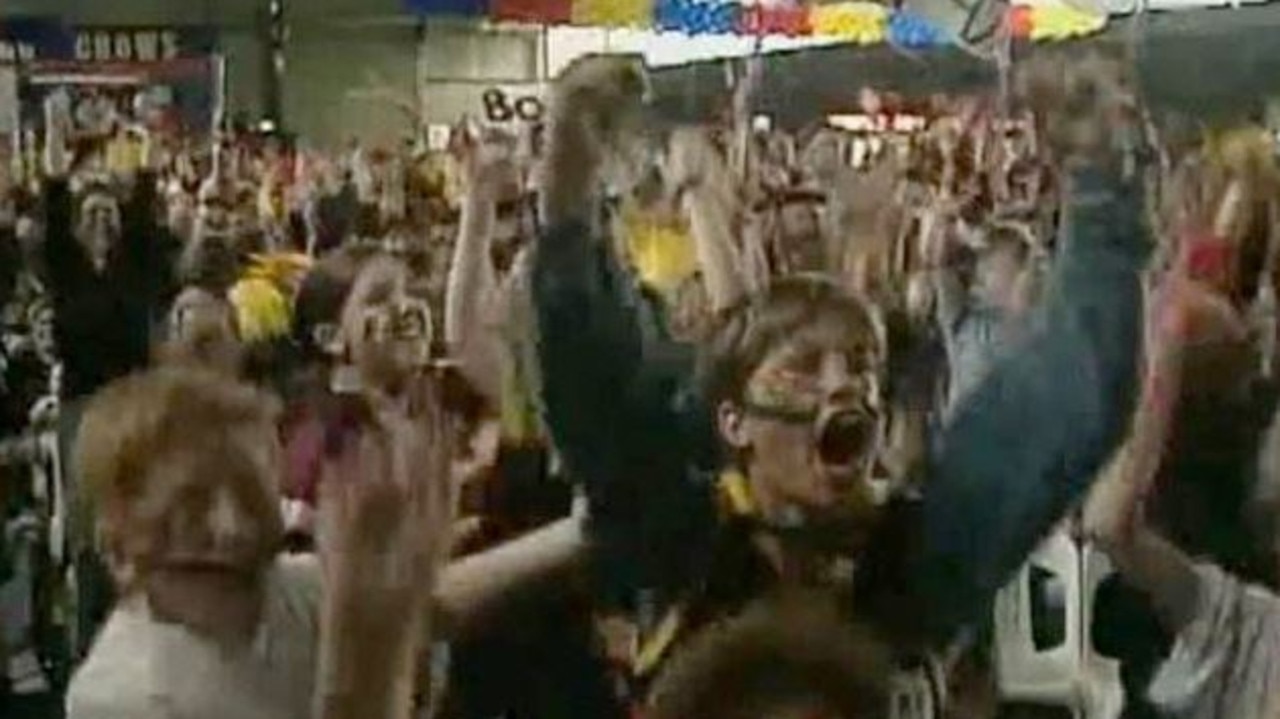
404 320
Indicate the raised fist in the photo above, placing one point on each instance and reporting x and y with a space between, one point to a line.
490 161
691 157
387 509
57 116
605 92
57 110
1087 108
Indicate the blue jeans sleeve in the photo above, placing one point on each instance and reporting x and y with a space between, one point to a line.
1026 444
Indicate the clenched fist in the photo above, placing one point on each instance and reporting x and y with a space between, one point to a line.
604 92
1087 108
595 109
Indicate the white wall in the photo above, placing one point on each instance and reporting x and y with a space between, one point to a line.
459 61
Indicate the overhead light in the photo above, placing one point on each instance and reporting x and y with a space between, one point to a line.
267 126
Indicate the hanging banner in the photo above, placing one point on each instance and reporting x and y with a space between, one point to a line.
27 39
502 105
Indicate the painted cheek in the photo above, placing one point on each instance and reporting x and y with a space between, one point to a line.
780 387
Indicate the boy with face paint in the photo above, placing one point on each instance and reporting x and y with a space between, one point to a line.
773 447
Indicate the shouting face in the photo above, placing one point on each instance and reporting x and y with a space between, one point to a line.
204 532
99 227
386 329
808 431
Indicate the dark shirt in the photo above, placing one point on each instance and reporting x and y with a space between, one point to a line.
621 405
103 320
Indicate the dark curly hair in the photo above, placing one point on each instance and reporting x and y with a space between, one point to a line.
792 652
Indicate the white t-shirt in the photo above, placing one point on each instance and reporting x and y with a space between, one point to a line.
1226 662
141 668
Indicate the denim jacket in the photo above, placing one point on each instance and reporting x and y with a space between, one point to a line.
621 405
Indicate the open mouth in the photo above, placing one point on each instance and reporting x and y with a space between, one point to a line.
844 439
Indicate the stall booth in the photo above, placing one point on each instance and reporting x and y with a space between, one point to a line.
120 79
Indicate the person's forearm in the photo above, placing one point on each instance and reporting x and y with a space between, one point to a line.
755 259
368 662
949 295
471 284
1152 564
1026 443
472 587
712 234
568 187
64 258
143 249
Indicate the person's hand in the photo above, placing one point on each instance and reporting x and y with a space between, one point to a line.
152 155
595 108
1087 108
386 512
489 163
691 159
362 175
385 527
603 92
57 122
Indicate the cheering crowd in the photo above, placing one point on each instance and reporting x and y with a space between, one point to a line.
609 418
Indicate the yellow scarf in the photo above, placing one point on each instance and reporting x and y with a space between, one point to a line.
735 500
662 253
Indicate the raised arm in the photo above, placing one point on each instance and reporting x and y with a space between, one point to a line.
468 329
145 255
1025 445
610 381
387 506
475 587
1186 310
708 195
65 260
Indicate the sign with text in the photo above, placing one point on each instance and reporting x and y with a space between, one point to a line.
128 45
37 39
502 106
116 75
24 40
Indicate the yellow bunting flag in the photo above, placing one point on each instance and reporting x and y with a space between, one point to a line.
613 13
858 22
1059 21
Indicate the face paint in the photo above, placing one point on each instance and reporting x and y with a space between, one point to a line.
784 394
99 226
811 433
407 319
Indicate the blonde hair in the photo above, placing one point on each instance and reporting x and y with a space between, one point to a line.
143 420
